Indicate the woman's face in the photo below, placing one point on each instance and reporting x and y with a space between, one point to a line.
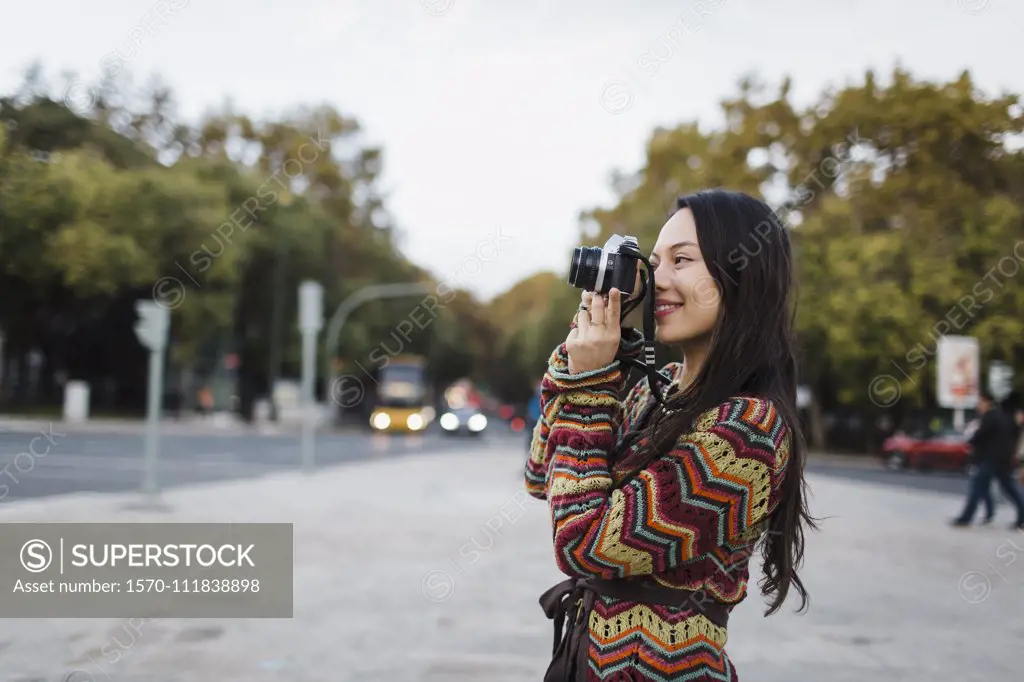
686 296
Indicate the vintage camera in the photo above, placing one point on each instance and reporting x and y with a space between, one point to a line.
615 265
599 269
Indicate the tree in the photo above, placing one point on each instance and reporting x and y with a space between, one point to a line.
219 221
904 201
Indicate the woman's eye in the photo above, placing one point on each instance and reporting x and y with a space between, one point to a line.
682 259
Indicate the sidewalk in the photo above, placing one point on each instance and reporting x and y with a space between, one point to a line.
428 569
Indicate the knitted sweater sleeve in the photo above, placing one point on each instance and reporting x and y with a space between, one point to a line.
562 391
716 488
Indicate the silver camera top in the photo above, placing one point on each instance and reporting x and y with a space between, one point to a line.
615 241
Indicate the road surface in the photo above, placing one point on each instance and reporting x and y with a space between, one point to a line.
872 471
437 580
43 462
48 462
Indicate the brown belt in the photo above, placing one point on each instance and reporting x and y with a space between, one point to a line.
569 652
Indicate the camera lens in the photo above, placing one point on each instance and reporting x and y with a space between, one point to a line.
584 267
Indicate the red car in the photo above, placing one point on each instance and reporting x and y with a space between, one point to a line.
947 449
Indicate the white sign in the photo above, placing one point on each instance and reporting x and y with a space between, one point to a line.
803 397
958 376
1000 379
76 401
311 306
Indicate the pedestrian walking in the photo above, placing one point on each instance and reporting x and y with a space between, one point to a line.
994 446
1019 418
657 509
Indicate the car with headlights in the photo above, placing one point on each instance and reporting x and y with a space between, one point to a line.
464 421
402 419
402 397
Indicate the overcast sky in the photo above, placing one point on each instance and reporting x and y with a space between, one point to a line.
507 116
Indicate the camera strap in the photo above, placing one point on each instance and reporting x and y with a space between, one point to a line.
648 366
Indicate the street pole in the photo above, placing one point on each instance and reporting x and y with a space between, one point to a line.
308 401
311 320
156 376
151 330
374 292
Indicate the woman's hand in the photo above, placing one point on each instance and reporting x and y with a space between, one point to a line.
593 343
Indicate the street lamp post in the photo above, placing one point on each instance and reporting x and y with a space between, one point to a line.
373 292
311 321
151 330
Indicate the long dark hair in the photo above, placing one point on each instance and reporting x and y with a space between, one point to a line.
752 352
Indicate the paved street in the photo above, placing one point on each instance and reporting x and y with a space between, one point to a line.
55 460
428 569
59 460
871 471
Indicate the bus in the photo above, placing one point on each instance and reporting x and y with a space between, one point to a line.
402 396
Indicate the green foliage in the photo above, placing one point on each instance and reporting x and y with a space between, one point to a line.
904 201
227 216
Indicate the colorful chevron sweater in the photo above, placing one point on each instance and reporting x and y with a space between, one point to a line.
690 520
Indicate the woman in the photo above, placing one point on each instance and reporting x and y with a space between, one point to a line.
657 510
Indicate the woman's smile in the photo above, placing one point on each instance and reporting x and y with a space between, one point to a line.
663 308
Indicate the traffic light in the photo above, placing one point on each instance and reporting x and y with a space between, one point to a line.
151 328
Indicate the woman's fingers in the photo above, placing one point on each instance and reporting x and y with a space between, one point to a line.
593 344
583 320
614 306
597 311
